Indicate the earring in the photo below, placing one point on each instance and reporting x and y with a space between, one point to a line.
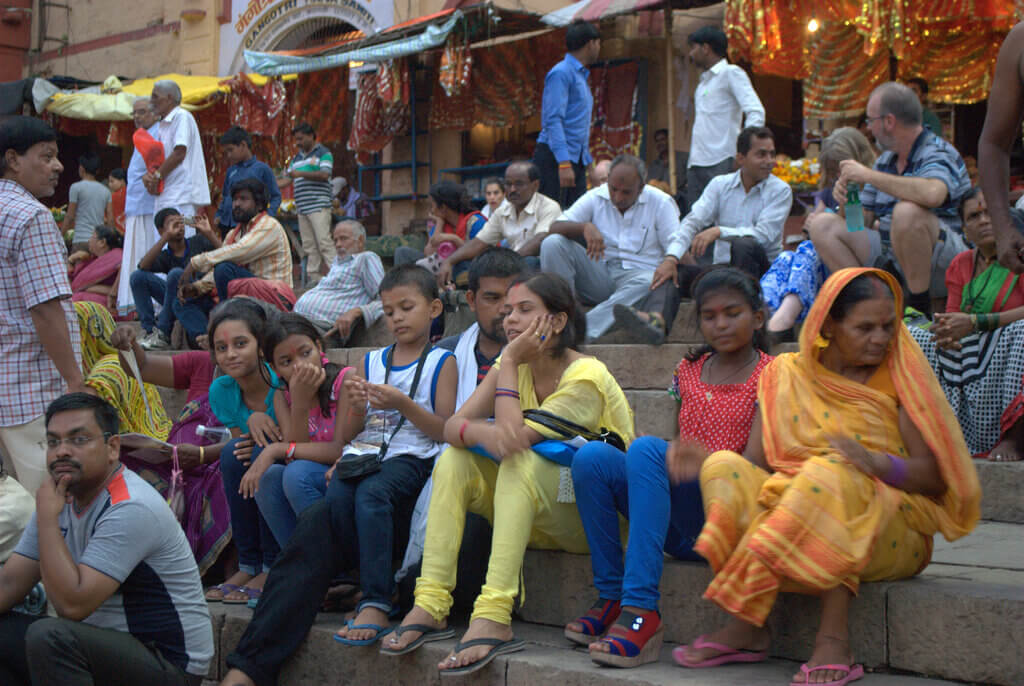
821 342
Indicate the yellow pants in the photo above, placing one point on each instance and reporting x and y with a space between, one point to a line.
519 499
765 533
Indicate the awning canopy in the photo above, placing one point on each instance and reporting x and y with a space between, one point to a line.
595 10
476 22
113 102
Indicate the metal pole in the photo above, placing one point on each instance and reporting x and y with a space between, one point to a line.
672 171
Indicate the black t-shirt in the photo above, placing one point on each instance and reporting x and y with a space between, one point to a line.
167 260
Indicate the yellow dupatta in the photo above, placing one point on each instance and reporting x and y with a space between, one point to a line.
797 388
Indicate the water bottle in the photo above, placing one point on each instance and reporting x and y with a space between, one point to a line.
217 434
854 210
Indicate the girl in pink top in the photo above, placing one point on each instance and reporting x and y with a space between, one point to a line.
288 476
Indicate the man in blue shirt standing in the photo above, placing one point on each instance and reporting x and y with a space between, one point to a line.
563 147
237 144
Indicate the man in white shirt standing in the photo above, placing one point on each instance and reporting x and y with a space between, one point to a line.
724 96
183 172
631 250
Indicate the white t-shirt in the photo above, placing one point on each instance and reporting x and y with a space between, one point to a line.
187 183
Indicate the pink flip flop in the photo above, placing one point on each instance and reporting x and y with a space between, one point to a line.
853 672
728 655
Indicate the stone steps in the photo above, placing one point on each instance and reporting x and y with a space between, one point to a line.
547 659
962 618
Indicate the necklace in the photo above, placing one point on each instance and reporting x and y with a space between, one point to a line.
754 356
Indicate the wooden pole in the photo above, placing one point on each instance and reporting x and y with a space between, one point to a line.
670 107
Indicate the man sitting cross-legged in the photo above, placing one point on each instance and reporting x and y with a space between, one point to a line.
914 191
116 565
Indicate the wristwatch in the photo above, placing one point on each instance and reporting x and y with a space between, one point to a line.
158 175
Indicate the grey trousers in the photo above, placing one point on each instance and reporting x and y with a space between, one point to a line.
603 284
697 178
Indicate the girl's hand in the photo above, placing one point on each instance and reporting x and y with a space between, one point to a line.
306 381
385 397
530 343
503 441
243 449
867 461
263 429
251 480
683 459
329 474
355 388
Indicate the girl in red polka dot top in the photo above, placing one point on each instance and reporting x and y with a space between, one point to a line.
655 484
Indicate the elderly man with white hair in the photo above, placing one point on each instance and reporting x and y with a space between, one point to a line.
183 172
348 294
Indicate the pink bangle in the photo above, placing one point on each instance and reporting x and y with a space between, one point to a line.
462 431
291 451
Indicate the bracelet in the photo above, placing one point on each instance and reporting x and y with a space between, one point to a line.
991 321
158 175
502 393
462 431
291 451
897 474
974 322
202 455
565 165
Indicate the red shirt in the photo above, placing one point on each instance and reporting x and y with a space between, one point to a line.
959 274
718 417
193 370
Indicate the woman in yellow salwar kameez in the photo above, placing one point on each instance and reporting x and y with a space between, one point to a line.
525 496
861 463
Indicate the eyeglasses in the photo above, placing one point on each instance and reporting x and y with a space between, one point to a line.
77 442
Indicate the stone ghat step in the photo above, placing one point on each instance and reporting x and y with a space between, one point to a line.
962 618
547 659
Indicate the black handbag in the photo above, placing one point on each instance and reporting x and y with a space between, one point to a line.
353 466
569 430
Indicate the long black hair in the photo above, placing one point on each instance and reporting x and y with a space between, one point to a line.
244 310
555 293
721 278
286 324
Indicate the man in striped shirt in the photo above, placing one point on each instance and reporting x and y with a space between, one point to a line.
257 247
310 172
348 294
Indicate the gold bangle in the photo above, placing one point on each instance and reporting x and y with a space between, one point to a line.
202 454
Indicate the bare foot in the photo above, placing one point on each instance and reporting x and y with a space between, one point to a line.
417 615
737 634
478 628
368 615
828 650
236 677
1005 451
236 579
254 582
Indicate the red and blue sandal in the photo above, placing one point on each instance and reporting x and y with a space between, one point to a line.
595 623
633 640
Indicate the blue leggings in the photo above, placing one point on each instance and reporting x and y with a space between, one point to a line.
286 491
662 517
257 547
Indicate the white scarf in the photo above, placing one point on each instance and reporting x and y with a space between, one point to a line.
465 359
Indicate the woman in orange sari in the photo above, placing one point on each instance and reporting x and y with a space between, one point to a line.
861 462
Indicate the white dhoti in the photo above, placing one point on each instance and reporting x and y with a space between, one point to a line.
140 235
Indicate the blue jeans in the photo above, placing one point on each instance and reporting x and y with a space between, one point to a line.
257 547
661 517
226 272
368 512
192 313
286 491
147 287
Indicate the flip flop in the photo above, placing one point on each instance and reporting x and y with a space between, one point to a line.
500 648
224 590
853 673
381 631
727 655
250 594
429 634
